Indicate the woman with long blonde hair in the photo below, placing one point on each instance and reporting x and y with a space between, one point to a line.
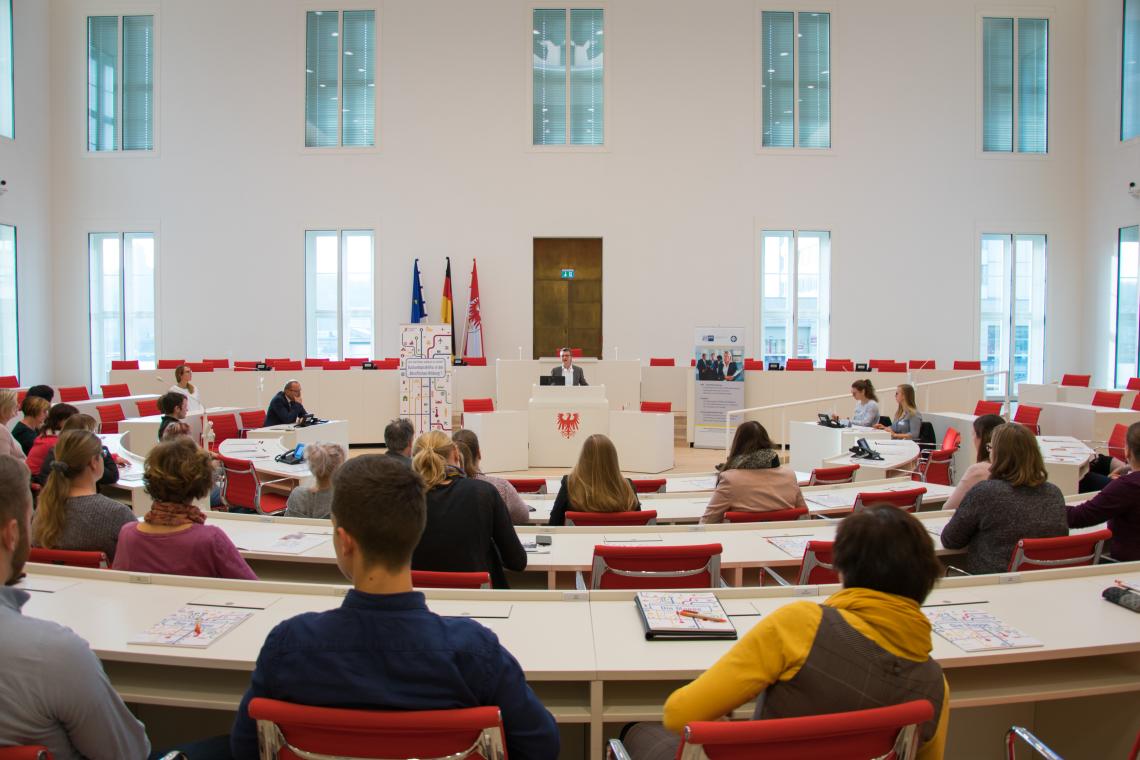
908 422
8 410
468 528
595 484
182 385
71 514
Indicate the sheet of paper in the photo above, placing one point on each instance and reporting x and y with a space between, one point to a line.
531 546
234 599
793 546
975 630
469 609
196 627
633 539
45 585
702 483
828 500
739 608
285 543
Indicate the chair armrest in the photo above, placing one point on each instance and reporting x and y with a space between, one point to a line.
775 576
615 750
1017 732
276 480
580 581
956 570
1107 558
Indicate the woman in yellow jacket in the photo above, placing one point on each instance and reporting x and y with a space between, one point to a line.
866 646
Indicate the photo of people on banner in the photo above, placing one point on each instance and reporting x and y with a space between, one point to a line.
720 365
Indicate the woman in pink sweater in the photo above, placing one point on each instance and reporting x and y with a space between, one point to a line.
984 427
752 479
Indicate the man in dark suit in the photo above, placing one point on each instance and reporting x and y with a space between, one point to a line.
703 367
567 373
718 367
286 407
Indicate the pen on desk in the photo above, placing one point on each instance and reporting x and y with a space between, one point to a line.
700 616
1124 585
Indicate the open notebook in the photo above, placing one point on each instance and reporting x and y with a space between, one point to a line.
683 615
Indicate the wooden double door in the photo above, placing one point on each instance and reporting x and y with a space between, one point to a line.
567 309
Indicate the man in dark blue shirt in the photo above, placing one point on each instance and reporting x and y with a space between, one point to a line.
382 649
286 407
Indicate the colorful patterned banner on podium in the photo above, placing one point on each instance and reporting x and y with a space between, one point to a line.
425 376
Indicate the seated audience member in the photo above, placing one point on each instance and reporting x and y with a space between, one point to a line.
54 691
316 501
984 427
174 408
174 430
472 454
383 649
9 446
84 422
71 514
865 646
908 422
1118 504
35 411
398 437
49 434
182 385
173 538
179 429
468 528
46 392
752 480
285 408
595 484
1016 502
866 412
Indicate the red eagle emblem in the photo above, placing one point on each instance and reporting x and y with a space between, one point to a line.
567 423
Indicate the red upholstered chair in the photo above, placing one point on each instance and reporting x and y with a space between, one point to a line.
655 567
987 407
576 353
596 519
243 489
970 365
170 363
666 407
799 365
1107 399
475 361
74 393
775 515
440 579
478 405
877 364
110 415
880 732
285 729
9 381
318 362
1133 384
951 440
277 360
288 366
922 364
829 476
659 362
25 752
217 363
124 364
649 485
246 365
692 362
909 500
936 467
1029 416
1116 443
115 390
1136 403
387 363
250 420
1063 551
1079 381
200 366
69 557
528 485
753 365
816 568
839 365
355 361
336 366
148 407
225 427
891 367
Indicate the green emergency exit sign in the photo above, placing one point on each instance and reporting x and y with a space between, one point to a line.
567 274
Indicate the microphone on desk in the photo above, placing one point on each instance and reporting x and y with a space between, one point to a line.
1123 597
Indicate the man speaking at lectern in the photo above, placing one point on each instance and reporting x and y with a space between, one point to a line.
568 374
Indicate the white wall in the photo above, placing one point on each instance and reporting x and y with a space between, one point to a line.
678 195
1109 167
25 163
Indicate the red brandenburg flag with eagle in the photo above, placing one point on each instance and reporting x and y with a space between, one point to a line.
473 331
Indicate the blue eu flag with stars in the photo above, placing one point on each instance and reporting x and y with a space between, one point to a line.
419 310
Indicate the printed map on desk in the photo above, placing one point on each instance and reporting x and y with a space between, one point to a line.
683 615
792 545
189 627
973 630
288 543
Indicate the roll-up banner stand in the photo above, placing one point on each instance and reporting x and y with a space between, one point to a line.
719 386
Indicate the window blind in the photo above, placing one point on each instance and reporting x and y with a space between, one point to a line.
358 90
1032 85
102 64
586 72
7 83
814 127
322 108
549 76
997 84
777 78
138 83
1130 72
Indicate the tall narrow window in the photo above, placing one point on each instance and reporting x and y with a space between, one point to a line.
1130 72
795 302
1012 310
1015 85
567 75
122 300
120 83
340 79
9 334
795 99
339 310
1127 305
7 80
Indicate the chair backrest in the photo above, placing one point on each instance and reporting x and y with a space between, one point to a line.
951 440
891 367
1063 551
200 367
355 361
170 363
528 485
1029 416
1133 384
878 363
217 363
593 519
839 365
987 407
336 366
799 365
774 515
252 418
316 362
1136 403
887 733
124 364
1116 442
388 363
148 407
662 406
826 476
975 366
925 434
656 567
909 500
478 405
475 361
1107 399
936 467
464 734
26 752
648 485
241 487
440 579
225 428
816 567
661 362
288 366
276 360
115 390
1079 381
69 557
246 365
921 364
753 365
74 393
110 415
9 381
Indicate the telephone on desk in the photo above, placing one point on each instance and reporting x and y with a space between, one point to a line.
826 421
309 420
862 450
